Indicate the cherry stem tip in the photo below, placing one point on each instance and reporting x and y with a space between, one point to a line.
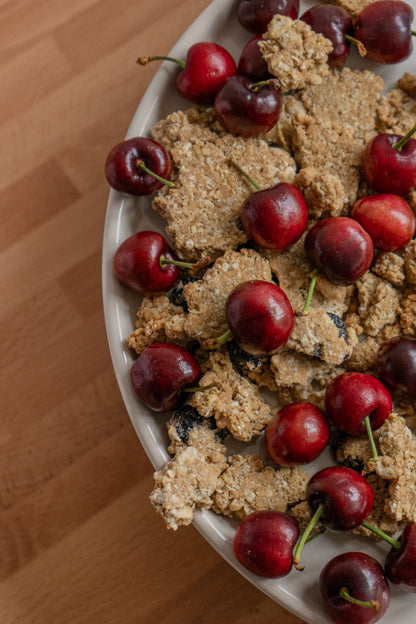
245 174
196 266
299 546
305 310
387 538
144 60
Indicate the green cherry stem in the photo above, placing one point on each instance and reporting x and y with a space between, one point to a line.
199 388
272 82
214 343
140 164
390 540
144 60
370 437
301 543
186 265
399 145
369 604
305 310
413 33
245 174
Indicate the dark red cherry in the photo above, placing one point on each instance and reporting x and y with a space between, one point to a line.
400 563
255 15
340 248
296 434
388 168
358 576
276 217
264 543
333 22
160 374
251 62
207 67
396 365
259 316
385 30
123 166
351 397
387 218
246 108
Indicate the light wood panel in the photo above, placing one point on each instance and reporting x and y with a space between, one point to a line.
79 541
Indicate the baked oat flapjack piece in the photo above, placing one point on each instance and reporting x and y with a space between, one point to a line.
202 210
397 109
294 53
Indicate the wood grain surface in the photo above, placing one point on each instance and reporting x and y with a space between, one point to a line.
79 540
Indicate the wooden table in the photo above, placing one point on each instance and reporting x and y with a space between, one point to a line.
79 540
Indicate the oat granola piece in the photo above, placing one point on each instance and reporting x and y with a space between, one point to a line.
346 97
187 427
379 303
408 314
377 516
206 297
294 53
408 84
332 148
323 192
397 112
234 402
202 210
184 484
248 485
158 320
390 266
364 355
409 257
254 367
293 112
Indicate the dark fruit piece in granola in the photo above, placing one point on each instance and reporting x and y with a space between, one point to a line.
389 163
244 362
340 248
207 67
264 543
334 23
248 108
259 316
396 365
351 397
251 62
387 218
385 30
356 576
400 563
131 166
275 217
255 15
161 373
176 296
297 434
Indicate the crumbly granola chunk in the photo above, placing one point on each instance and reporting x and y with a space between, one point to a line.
187 427
377 516
323 192
408 314
364 355
158 320
234 402
332 148
410 262
206 297
379 302
294 53
407 83
390 266
254 367
202 210
293 112
397 112
249 485
185 483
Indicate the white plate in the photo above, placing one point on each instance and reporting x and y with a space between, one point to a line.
298 592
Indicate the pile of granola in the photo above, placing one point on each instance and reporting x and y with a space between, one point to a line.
328 117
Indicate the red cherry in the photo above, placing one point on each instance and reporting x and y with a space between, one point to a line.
297 434
246 108
255 15
340 248
333 22
123 166
360 577
396 365
264 543
206 69
160 373
350 397
400 563
385 30
260 317
388 169
251 62
387 218
276 217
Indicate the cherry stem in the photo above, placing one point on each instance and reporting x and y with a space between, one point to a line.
362 51
301 543
144 60
256 86
399 145
370 437
203 262
199 388
369 604
413 33
390 540
140 164
245 174
305 310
